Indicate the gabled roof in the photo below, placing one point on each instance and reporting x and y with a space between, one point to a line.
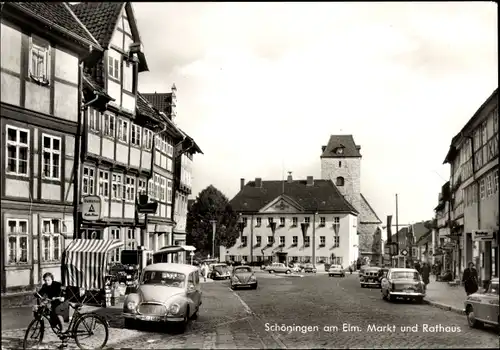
60 17
100 18
194 148
162 101
321 197
89 82
344 141
369 216
144 108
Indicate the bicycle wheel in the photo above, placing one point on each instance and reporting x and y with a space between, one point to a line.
34 333
91 332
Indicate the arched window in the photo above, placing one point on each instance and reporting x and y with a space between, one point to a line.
340 164
340 181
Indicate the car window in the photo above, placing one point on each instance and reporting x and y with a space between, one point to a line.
242 269
412 275
493 288
166 278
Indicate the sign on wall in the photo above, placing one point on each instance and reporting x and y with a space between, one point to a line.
482 235
91 208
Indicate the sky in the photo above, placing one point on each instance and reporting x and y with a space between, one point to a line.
262 86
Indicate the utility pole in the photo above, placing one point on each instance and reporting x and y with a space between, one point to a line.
214 223
397 229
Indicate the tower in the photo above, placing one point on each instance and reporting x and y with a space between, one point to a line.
341 163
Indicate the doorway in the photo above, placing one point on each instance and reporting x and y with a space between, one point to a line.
282 257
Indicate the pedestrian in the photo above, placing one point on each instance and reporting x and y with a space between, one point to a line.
426 271
350 269
417 267
204 271
470 279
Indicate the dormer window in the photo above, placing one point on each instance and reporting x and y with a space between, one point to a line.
39 64
339 150
340 181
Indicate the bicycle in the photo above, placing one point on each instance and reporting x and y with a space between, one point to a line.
36 329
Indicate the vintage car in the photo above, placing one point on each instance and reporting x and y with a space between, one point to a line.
336 270
166 292
309 268
369 277
243 276
278 268
403 283
218 271
482 307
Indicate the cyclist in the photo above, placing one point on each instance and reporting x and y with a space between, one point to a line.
53 290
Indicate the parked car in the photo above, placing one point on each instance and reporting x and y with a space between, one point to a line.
309 268
482 307
218 271
370 277
336 270
243 276
167 293
295 267
278 268
403 283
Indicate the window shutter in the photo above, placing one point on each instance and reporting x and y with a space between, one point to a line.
46 73
30 57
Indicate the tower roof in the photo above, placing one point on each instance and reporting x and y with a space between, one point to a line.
350 149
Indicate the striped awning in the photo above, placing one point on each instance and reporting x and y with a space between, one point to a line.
85 262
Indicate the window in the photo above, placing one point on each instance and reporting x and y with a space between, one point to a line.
295 221
481 188
109 125
258 240
18 241
259 222
340 181
51 157
270 240
282 240
103 183
282 221
340 164
336 242
129 188
495 121
116 183
115 235
322 241
113 68
495 181
322 221
307 220
163 191
484 133
94 117
169 191
245 221
489 187
295 241
170 149
307 241
244 240
336 225
51 240
270 221
17 150
147 139
123 130
135 137
131 242
152 189
88 187
39 64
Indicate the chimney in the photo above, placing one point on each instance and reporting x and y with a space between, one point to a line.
289 179
258 182
242 183
310 181
323 148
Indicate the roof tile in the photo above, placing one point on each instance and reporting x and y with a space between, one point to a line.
345 141
162 101
322 196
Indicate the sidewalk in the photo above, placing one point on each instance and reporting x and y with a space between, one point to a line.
444 296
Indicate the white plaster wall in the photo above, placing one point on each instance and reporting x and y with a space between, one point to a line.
17 188
10 89
66 66
37 97
94 144
146 160
16 278
128 103
108 148
135 157
10 48
121 153
117 39
114 91
66 101
51 192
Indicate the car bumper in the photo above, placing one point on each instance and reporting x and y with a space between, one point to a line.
221 277
247 284
407 295
150 318
336 273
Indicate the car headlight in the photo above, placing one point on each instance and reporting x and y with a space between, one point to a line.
235 279
174 308
131 305
217 273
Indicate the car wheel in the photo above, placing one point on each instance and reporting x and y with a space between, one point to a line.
362 285
288 272
471 318
419 300
254 286
130 324
232 287
271 271
181 327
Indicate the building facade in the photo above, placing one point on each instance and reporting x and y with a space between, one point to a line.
341 163
474 219
41 80
293 220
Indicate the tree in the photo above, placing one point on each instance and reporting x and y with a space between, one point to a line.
211 204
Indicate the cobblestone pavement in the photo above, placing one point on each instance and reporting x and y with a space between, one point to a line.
223 322
316 301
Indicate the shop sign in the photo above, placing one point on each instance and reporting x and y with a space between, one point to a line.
482 235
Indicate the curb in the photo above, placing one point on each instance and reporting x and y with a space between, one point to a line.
444 307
